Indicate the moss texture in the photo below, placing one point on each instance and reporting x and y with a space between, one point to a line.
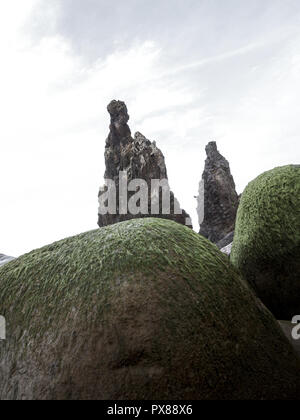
144 309
266 247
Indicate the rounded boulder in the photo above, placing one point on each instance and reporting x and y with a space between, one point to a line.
141 310
266 246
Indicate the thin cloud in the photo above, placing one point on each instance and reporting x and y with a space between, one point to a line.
215 59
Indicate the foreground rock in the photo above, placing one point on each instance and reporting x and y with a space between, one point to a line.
4 259
266 246
138 158
145 309
217 213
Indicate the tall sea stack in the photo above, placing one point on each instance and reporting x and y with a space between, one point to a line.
218 200
127 159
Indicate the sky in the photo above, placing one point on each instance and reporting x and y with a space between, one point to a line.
190 71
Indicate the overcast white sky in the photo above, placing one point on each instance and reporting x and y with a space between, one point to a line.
190 71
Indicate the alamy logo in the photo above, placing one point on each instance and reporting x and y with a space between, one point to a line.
2 328
296 329
136 196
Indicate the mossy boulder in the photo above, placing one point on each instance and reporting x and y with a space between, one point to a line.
144 309
266 247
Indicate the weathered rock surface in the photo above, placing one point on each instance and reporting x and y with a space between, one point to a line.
217 213
266 246
144 309
4 259
139 158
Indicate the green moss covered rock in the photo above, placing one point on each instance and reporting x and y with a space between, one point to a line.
266 247
145 309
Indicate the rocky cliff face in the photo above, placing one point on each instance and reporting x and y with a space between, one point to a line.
217 200
4 259
134 158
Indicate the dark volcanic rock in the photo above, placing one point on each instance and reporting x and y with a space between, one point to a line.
4 259
137 158
220 197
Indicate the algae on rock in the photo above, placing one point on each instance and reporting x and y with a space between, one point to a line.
143 309
266 247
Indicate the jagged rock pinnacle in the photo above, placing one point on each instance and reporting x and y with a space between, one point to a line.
217 197
119 129
211 148
118 111
139 158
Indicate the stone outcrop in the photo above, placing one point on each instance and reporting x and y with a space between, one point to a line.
266 246
218 199
141 310
4 259
137 158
